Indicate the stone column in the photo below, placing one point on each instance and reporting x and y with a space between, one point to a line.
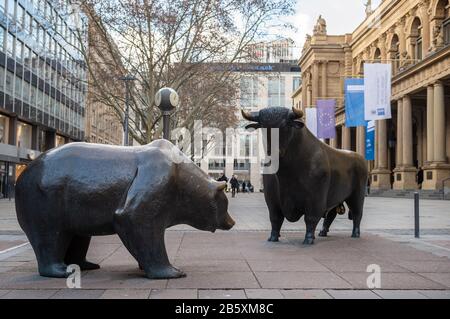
382 144
324 79
315 83
304 91
399 160
399 149
381 176
333 142
438 170
376 146
407 178
430 124
346 138
361 138
407 132
439 123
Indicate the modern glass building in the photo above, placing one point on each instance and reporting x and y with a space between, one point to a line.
42 81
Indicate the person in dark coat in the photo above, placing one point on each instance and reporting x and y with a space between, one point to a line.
420 177
234 185
223 178
244 190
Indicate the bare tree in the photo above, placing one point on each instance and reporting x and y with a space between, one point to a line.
188 45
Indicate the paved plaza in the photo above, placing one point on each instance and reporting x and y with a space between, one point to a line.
242 264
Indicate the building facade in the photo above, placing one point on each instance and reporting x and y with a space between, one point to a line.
42 82
103 124
261 85
414 37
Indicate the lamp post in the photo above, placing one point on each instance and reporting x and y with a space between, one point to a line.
166 99
127 79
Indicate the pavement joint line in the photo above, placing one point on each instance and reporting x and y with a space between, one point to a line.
13 248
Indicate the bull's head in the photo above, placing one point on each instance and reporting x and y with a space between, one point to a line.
275 117
288 121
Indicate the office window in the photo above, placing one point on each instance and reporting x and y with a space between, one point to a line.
276 91
20 17
27 23
24 135
296 81
2 39
4 129
10 45
11 5
19 50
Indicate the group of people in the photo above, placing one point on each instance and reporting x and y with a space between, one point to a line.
236 185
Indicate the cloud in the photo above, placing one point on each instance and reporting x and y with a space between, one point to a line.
342 16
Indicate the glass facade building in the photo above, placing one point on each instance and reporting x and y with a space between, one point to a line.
42 80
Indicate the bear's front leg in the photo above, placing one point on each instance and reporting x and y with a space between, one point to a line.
147 246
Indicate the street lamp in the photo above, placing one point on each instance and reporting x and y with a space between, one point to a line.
127 79
166 99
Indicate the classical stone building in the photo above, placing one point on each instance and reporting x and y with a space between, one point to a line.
103 124
414 36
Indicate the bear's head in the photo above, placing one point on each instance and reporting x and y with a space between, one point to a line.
201 201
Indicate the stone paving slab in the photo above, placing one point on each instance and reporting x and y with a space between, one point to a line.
126 294
222 294
353 294
174 294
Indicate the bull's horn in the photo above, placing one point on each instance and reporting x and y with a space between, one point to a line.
249 116
299 113
221 186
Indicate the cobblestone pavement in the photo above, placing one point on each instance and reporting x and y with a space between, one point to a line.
242 264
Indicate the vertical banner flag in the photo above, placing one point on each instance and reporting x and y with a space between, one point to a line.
377 91
354 103
370 141
311 120
326 123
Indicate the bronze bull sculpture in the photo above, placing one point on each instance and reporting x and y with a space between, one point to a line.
313 179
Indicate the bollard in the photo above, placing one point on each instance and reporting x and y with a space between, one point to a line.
416 215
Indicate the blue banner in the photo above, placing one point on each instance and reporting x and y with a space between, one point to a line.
370 141
354 102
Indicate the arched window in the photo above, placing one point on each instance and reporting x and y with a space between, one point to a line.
443 19
416 39
377 55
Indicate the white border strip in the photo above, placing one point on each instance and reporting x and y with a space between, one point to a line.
13 248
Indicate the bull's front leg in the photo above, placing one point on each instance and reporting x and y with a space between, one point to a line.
312 218
276 220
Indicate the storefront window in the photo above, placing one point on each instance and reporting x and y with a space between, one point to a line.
4 129
60 140
24 132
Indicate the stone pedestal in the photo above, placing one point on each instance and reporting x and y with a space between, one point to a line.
405 178
381 179
434 175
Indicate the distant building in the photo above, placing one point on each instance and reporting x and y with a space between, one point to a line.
276 51
103 124
42 82
261 85
414 36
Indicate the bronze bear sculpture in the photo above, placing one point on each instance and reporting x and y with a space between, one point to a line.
313 179
80 190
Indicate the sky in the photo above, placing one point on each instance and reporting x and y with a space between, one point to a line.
342 16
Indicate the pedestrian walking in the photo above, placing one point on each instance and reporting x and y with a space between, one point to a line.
223 178
234 185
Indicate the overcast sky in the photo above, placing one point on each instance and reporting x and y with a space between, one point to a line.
342 16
